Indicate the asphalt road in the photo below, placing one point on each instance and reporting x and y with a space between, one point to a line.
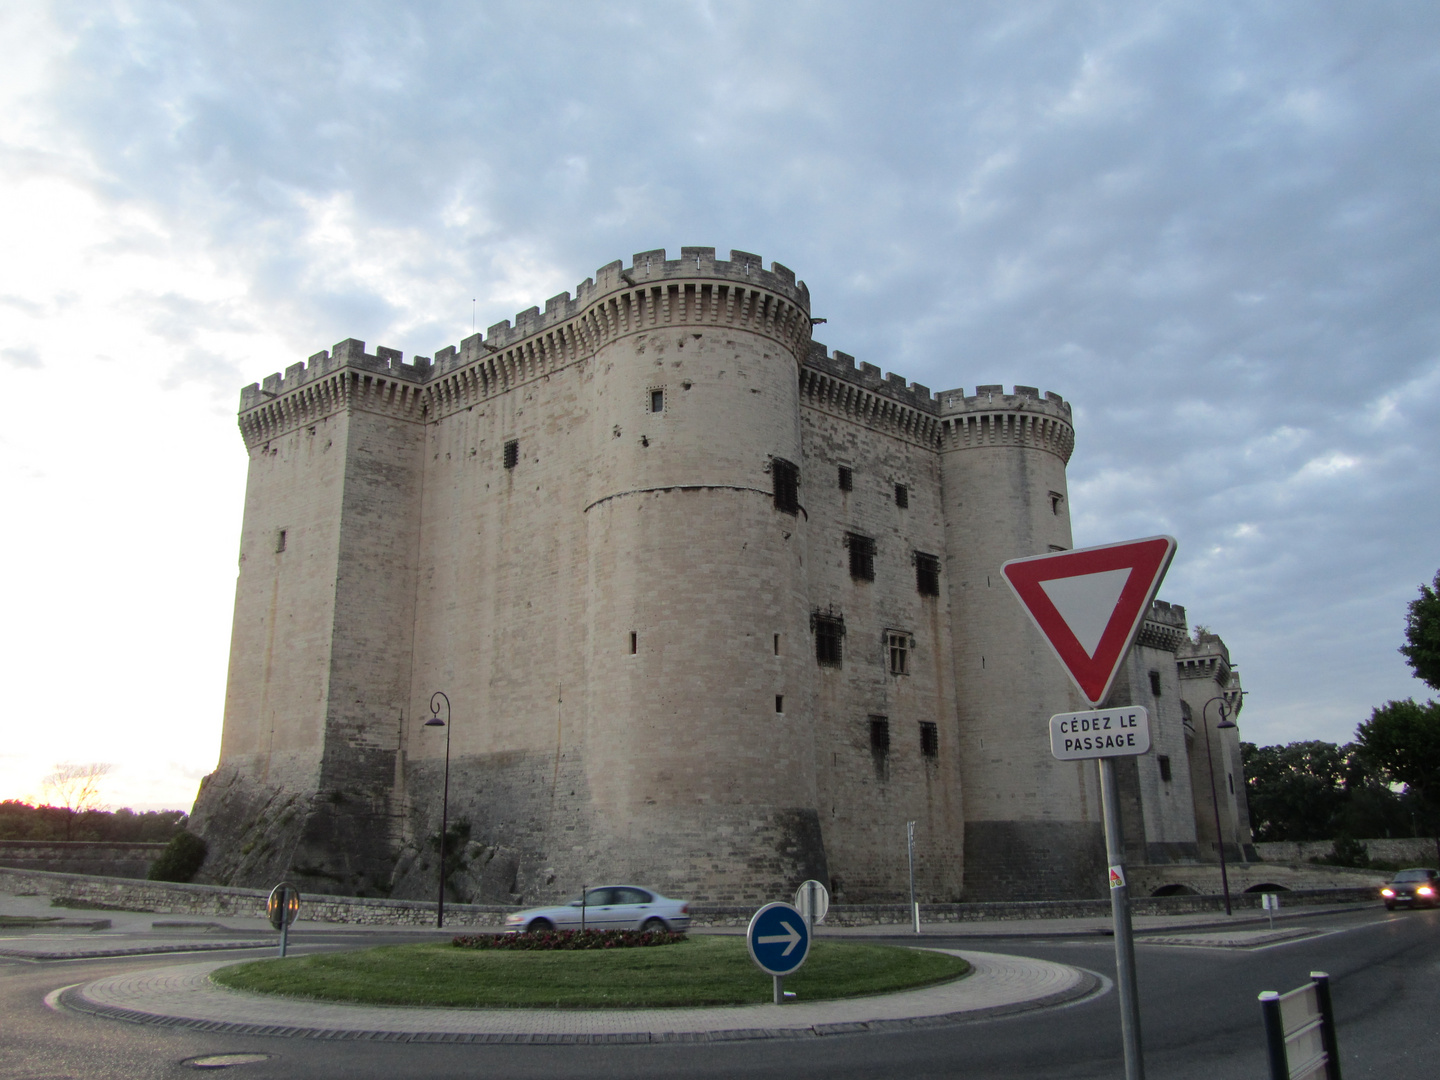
1199 1015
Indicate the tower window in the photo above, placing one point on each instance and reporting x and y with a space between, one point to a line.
847 478
1164 762
829 634
879 736
862 556
512 453
902 496
787 485
634 643
779 702
1230 779
929 739
927 574
657 400
777 644
898 647
1055 500
280 541
1155 683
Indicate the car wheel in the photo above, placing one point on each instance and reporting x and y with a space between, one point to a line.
540 926
654 926
1389 906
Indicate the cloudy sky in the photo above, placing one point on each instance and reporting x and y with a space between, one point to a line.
1211 226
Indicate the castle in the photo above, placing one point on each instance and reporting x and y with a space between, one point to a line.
715 610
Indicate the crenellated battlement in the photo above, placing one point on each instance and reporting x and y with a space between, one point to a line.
994 418
1164 627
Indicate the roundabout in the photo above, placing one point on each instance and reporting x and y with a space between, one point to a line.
184 996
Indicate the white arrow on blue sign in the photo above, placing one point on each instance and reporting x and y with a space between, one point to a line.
778 939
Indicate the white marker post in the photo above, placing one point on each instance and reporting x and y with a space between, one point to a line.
1089 604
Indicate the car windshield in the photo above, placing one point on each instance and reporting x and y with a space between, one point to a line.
1413 875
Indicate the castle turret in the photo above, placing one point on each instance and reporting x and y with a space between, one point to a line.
1032 824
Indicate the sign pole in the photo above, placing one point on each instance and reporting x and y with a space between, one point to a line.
910 847
1120 912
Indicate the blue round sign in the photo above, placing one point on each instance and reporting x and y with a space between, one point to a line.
778 939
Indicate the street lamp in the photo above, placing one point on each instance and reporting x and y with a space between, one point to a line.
1224 724
435 721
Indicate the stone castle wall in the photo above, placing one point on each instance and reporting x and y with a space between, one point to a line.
570 526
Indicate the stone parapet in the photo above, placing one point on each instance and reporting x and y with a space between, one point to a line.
992 417
127 860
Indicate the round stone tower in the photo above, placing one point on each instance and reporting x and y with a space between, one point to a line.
1032 824
699 747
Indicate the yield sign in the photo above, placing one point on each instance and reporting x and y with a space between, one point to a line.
1089 602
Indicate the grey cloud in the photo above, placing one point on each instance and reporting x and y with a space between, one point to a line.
1204 224
21 356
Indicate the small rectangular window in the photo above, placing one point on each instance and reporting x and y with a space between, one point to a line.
280 541
927 574
902 496
777 644
779 702
512 453
879 736
657 400
898 647
847 478
1230 779
929 739
862 556
1164 762
634 642
829 634
1055 500
787 485
1155 683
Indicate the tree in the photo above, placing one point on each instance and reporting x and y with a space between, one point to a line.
76 788
1295 791
1422 635
1402 740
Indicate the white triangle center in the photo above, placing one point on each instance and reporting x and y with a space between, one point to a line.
1086 603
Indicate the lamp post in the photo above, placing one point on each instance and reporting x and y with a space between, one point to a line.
435 721
1224 724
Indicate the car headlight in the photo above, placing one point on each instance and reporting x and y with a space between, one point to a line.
511 920
1424 890
1387 892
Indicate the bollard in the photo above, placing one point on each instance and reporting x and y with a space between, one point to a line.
1327 1025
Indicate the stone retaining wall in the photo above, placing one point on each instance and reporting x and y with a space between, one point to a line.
174 899
1405 849
108 858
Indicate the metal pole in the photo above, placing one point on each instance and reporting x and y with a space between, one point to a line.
584 896
444 806
779 989
1120 913
1215 799
284 928
910 846
1274 1035
1327 1025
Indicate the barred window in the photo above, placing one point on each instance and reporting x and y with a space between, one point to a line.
787 485
847 478
1155 683
930 740
902 496
512 453
927 574
829 636
862 556
1164 763
879 735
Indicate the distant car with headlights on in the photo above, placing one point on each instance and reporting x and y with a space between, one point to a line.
1418 888
606 907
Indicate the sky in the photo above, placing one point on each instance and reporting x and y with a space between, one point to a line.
1211 226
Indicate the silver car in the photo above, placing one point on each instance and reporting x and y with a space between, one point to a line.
607 907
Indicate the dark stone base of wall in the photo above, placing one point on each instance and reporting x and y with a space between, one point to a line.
1034 860
109 859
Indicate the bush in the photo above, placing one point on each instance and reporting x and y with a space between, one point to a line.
568 939
180 859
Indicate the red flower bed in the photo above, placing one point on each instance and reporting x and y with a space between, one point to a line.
568 939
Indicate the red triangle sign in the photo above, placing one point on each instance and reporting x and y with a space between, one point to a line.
1089 602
